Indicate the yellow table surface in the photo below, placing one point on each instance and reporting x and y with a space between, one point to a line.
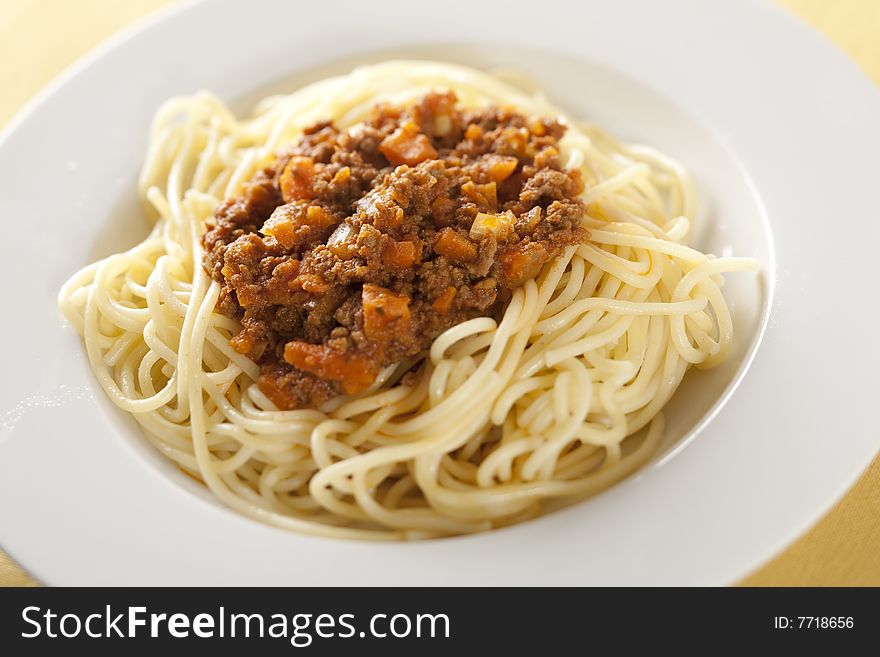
40 38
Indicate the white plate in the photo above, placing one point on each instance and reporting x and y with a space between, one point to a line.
782 134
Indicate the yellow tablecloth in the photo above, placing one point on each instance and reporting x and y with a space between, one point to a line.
39 38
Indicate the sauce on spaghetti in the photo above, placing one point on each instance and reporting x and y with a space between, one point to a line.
360 246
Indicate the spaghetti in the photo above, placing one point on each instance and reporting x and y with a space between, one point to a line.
500 421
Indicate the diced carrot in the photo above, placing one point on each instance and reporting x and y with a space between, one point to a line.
455 247
484 195
341 177
282 227
298 179
407 145
279 395
386 215
442 210
400 255
312 283
248 295
546 157
522 262
443 303
295 223
501 168
286 271
355 371
386 313
318 217
243 342
473 132
259 197
537 127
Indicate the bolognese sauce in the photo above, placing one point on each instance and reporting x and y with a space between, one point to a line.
358 247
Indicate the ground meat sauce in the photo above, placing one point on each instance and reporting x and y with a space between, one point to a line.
360 246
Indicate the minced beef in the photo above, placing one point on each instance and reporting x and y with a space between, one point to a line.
360 246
